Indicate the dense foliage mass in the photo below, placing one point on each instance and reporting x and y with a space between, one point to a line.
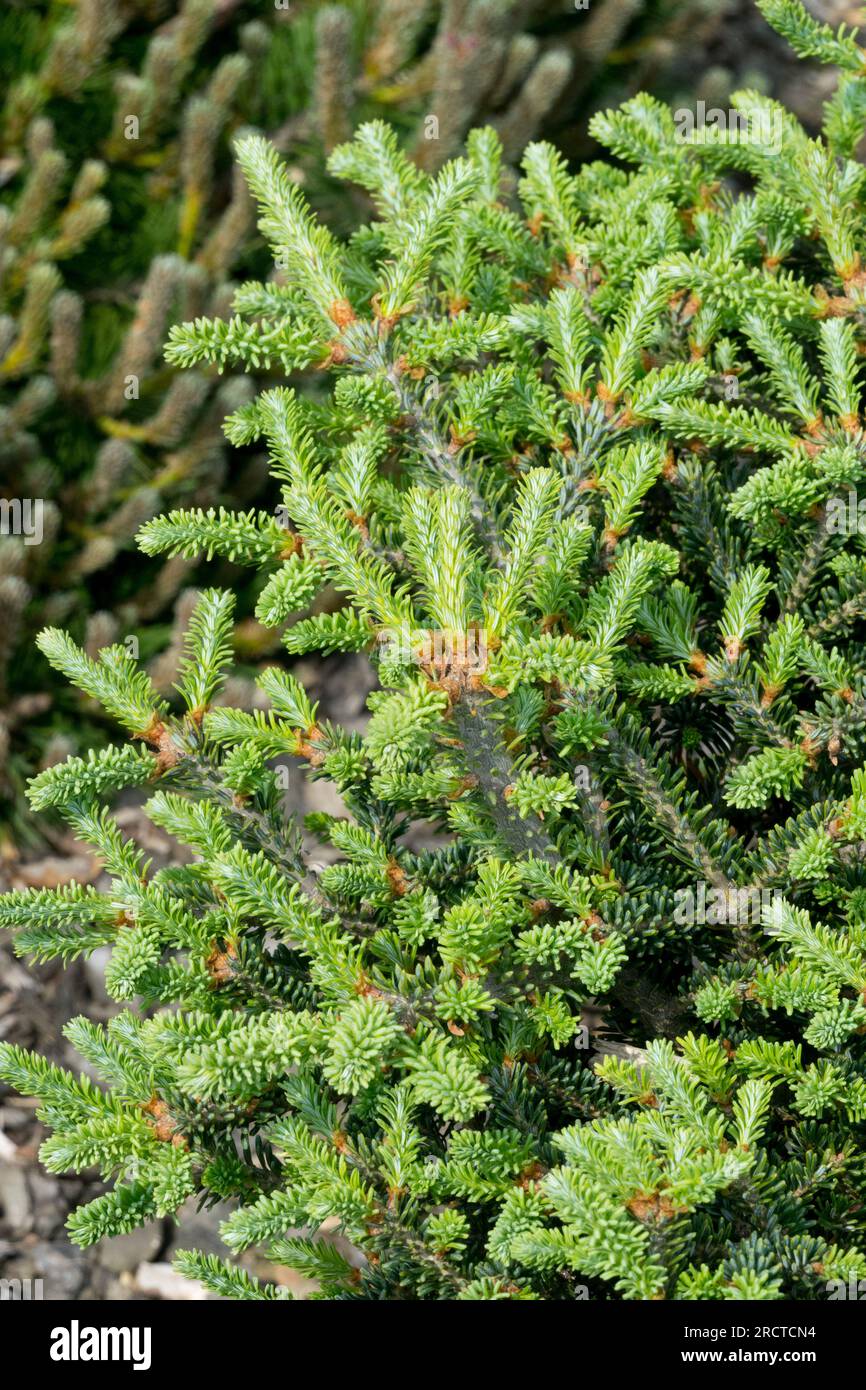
120 213
585 480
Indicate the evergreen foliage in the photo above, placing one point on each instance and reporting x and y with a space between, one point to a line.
120 213
572 465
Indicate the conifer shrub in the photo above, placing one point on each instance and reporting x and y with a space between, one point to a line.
578 1010
120 213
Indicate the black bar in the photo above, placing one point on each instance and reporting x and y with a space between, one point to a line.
648 1339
